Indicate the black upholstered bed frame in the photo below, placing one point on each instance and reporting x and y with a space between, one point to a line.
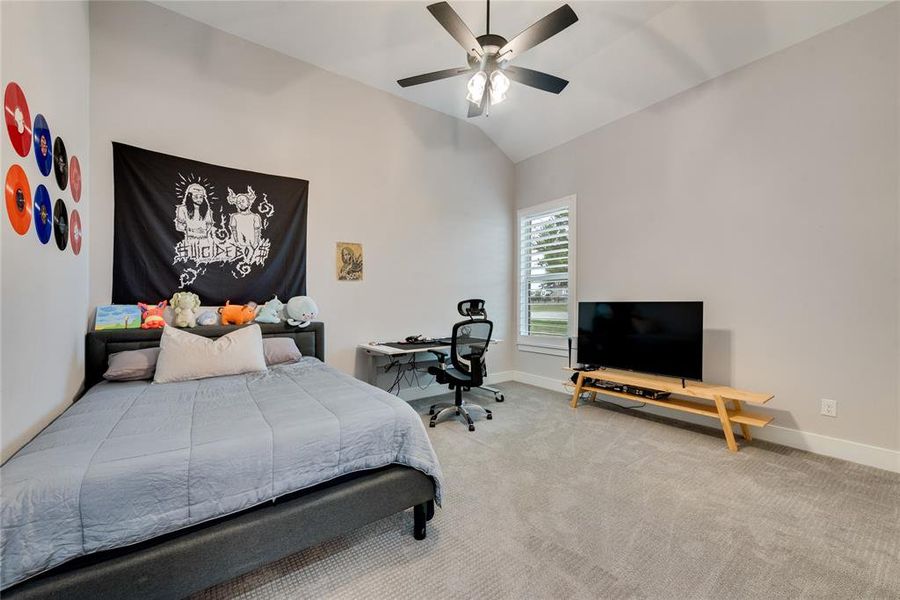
187 561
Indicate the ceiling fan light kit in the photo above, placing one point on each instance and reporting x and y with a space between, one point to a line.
488 57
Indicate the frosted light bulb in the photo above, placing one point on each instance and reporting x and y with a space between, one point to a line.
476 88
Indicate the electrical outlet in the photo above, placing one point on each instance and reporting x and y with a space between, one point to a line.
829 407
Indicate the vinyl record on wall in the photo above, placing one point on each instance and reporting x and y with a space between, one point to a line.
18 118
75 231
60 163
43 152
61 224
75 178
18 199
43 214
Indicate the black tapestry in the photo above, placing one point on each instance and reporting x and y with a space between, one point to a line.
224 234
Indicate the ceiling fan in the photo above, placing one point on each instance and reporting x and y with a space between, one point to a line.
489 56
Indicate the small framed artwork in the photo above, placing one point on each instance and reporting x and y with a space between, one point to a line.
349 261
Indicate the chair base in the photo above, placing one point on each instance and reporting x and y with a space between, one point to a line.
437 411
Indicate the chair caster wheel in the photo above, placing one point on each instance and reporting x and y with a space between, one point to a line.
431 423
490 416
499 398
471 428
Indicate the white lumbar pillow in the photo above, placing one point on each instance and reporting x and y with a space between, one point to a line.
184 356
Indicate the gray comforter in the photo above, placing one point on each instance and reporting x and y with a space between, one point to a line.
134 460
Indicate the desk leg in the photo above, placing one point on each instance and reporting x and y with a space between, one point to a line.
373 370
726 423
579 383
745 429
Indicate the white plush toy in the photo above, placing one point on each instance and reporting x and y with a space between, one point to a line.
270 311
185 305
300 311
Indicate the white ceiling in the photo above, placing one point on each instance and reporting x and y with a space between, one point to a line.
620 57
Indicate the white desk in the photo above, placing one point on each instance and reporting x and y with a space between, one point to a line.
374 351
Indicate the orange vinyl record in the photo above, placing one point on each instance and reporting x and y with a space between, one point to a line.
18 199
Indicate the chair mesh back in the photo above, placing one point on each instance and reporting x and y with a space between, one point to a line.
470 342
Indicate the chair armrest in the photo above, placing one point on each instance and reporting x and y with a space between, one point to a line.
442 358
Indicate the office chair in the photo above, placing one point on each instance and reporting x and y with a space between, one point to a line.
467 347
474 309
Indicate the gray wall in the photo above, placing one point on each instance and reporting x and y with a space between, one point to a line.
44 291
422 191
770 193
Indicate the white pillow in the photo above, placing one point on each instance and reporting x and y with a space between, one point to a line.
184 356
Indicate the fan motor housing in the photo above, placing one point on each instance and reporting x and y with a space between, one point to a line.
491 43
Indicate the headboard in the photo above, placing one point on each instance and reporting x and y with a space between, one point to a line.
98 345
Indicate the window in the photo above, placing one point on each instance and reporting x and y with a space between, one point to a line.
546 275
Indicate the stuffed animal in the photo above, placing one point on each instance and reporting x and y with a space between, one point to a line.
270 311
236 314
207 317
185 305
300 311
152 316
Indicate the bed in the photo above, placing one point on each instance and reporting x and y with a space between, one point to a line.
146 490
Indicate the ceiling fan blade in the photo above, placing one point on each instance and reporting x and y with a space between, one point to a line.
536 79
435 76
455 26
544 29
476 110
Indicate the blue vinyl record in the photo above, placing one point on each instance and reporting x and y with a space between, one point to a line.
43 214
43 145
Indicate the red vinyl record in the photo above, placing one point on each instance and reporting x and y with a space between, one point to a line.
75 179
18 199
18 118
75 231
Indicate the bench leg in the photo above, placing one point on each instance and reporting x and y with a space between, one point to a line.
726 424
745 429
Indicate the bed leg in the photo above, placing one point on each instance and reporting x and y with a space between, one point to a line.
420 512
429 510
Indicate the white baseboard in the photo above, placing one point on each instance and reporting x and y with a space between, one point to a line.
864 454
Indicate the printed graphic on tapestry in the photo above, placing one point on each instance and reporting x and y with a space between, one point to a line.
224 234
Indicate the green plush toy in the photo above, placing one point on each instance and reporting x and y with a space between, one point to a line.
185 305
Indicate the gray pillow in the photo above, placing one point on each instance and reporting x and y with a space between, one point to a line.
132 365
135 365
279 350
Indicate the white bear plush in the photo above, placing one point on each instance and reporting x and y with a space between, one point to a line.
185 305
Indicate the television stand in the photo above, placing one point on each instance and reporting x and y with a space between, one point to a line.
695 393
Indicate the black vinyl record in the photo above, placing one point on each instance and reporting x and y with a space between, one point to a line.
61 224
60 163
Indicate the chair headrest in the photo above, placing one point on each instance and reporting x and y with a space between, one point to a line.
472 308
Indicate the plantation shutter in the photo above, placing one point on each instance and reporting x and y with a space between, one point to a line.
544 273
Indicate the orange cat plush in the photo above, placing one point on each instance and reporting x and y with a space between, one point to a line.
152 316
237 314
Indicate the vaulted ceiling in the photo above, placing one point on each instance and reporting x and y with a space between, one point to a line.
620 57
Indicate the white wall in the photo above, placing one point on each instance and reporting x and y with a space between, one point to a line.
44 291
429 197
772 194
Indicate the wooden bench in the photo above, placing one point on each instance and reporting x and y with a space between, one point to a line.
689 392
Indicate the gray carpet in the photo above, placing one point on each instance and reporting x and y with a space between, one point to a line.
547 502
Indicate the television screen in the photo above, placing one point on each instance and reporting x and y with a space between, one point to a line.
662 338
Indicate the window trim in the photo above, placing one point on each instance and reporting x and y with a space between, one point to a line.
546 344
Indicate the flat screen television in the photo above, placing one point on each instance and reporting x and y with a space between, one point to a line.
660 338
